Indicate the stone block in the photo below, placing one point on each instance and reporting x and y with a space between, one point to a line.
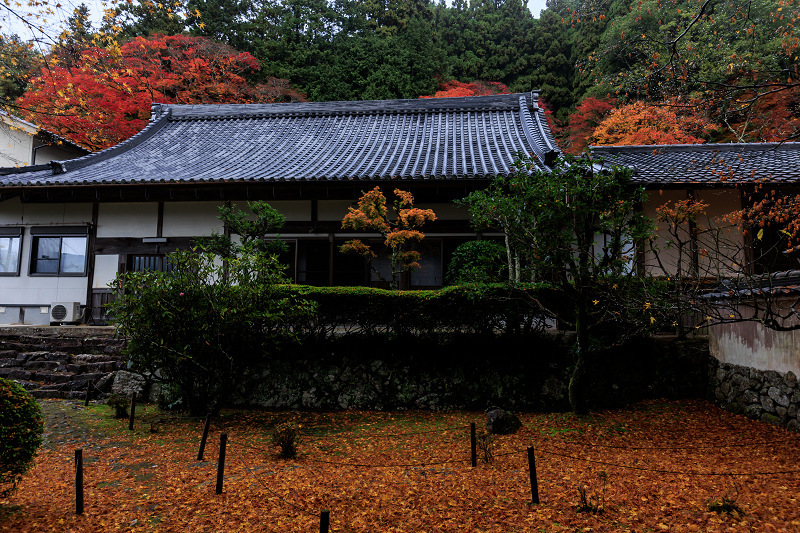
778 397
8 354
767 404
126 383
770 419
40 365
752 411
793 425
42 394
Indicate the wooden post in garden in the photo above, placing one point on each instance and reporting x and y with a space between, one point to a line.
534 481
204 438
324 521
223 441
473 444
78 481
88 388
133 412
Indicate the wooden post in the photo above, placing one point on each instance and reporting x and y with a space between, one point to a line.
78 481
473 444
534 482
324 521
88 387
133 412
223 441
204 438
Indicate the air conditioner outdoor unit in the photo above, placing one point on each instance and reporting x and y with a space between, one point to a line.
65 312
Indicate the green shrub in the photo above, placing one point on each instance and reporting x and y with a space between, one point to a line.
20 434
478 262
476 308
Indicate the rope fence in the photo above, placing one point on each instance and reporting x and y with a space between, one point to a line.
545 447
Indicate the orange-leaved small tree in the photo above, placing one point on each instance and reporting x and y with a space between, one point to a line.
399 226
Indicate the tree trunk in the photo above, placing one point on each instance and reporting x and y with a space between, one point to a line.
579 381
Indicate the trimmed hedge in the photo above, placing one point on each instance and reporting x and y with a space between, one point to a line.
20 434
464 309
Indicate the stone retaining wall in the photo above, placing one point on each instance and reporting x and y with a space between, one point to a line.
765 395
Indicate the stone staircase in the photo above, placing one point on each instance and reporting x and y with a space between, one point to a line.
59 362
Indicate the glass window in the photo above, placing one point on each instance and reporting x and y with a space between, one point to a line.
9 254
59 255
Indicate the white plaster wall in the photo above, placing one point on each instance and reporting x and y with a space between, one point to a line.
332 210
48 153
127 219
293 210
11 211
15 147
725 245
750 344
190 219
51 214
668 257
40 290
105 270
447 211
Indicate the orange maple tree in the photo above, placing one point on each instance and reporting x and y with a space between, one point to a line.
399 227
455 88
107 98
642 123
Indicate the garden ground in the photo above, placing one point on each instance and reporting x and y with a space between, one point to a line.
658 466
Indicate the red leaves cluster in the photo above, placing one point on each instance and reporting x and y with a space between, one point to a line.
411 473
455 88
586 118
107 98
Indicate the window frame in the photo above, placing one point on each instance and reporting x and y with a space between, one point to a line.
12 232
60 233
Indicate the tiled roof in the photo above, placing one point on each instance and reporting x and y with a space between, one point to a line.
441 138
708 164
778 284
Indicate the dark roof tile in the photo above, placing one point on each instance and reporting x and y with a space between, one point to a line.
437 138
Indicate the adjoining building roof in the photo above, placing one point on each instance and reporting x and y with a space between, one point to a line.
33 129
708 164
437 138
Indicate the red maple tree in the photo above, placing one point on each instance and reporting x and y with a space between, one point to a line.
107 98
586 118
455 88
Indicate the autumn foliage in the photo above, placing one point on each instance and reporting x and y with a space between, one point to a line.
583 122
640 123
399 227
455 88
107 98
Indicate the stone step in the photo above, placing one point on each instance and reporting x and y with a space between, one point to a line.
8 354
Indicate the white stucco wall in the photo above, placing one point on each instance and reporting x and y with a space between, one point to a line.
105 270
191 219
750 344
127 219
41 290
16 146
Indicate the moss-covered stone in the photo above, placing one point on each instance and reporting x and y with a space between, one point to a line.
770 419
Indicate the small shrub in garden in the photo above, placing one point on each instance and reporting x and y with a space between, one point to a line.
485 445
286 437
20 434
595 504
120 405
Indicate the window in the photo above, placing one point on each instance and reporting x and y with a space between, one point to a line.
10 243
59 251
148 263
